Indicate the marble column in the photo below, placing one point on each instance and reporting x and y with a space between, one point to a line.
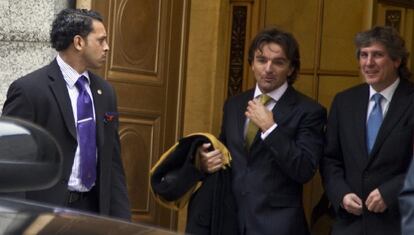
24 37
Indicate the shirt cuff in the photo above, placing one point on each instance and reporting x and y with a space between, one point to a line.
266 133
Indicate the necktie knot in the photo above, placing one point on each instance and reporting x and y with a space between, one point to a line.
83 94
251 127
377 97
80 83
264 99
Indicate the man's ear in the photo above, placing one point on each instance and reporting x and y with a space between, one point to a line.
291 70
397 63
78 42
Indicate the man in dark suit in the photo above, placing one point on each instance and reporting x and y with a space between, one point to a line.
79 109
369 138
270 166
406 200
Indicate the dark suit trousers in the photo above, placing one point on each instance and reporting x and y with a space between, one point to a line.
84 201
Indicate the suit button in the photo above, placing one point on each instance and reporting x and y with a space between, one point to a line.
244 193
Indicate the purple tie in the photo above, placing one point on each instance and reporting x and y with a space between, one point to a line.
87 135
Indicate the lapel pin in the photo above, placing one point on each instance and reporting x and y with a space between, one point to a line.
99 91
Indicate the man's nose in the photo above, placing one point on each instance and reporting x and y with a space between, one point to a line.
106 46
268 66
370 60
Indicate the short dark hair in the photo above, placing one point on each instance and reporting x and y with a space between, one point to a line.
69 23
391 40
285 40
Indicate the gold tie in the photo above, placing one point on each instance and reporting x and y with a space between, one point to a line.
251 127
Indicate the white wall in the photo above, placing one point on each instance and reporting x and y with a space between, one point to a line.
24 37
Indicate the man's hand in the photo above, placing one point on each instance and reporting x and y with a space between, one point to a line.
210 161
352 204
375 203
259 115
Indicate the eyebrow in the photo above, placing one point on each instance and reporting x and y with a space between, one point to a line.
373 51
275 58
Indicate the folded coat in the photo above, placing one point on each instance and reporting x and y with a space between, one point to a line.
176 180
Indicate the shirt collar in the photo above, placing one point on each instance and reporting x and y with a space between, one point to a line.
388 92
70 74
275 94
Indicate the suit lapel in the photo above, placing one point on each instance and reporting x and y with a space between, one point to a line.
241 117
284 105
58 86
98 100
360 120
280 112
399 104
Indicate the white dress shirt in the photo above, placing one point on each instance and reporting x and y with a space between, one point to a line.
275 95
71 76
387 94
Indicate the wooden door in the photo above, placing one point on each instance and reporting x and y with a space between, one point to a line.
145 65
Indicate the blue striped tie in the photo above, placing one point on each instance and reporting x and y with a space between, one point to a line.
374 121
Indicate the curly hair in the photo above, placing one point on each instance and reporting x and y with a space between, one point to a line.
69 23
391 40
285 40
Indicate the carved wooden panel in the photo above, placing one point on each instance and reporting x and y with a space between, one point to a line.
135 42
397 17
393 18
237 50
145 67
401 3
140 136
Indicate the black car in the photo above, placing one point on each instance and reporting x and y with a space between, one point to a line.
30 159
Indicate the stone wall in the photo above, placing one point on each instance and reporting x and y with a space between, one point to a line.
24 37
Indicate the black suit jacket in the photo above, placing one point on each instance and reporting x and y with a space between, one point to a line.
347 167
268 178
42 97
406 200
